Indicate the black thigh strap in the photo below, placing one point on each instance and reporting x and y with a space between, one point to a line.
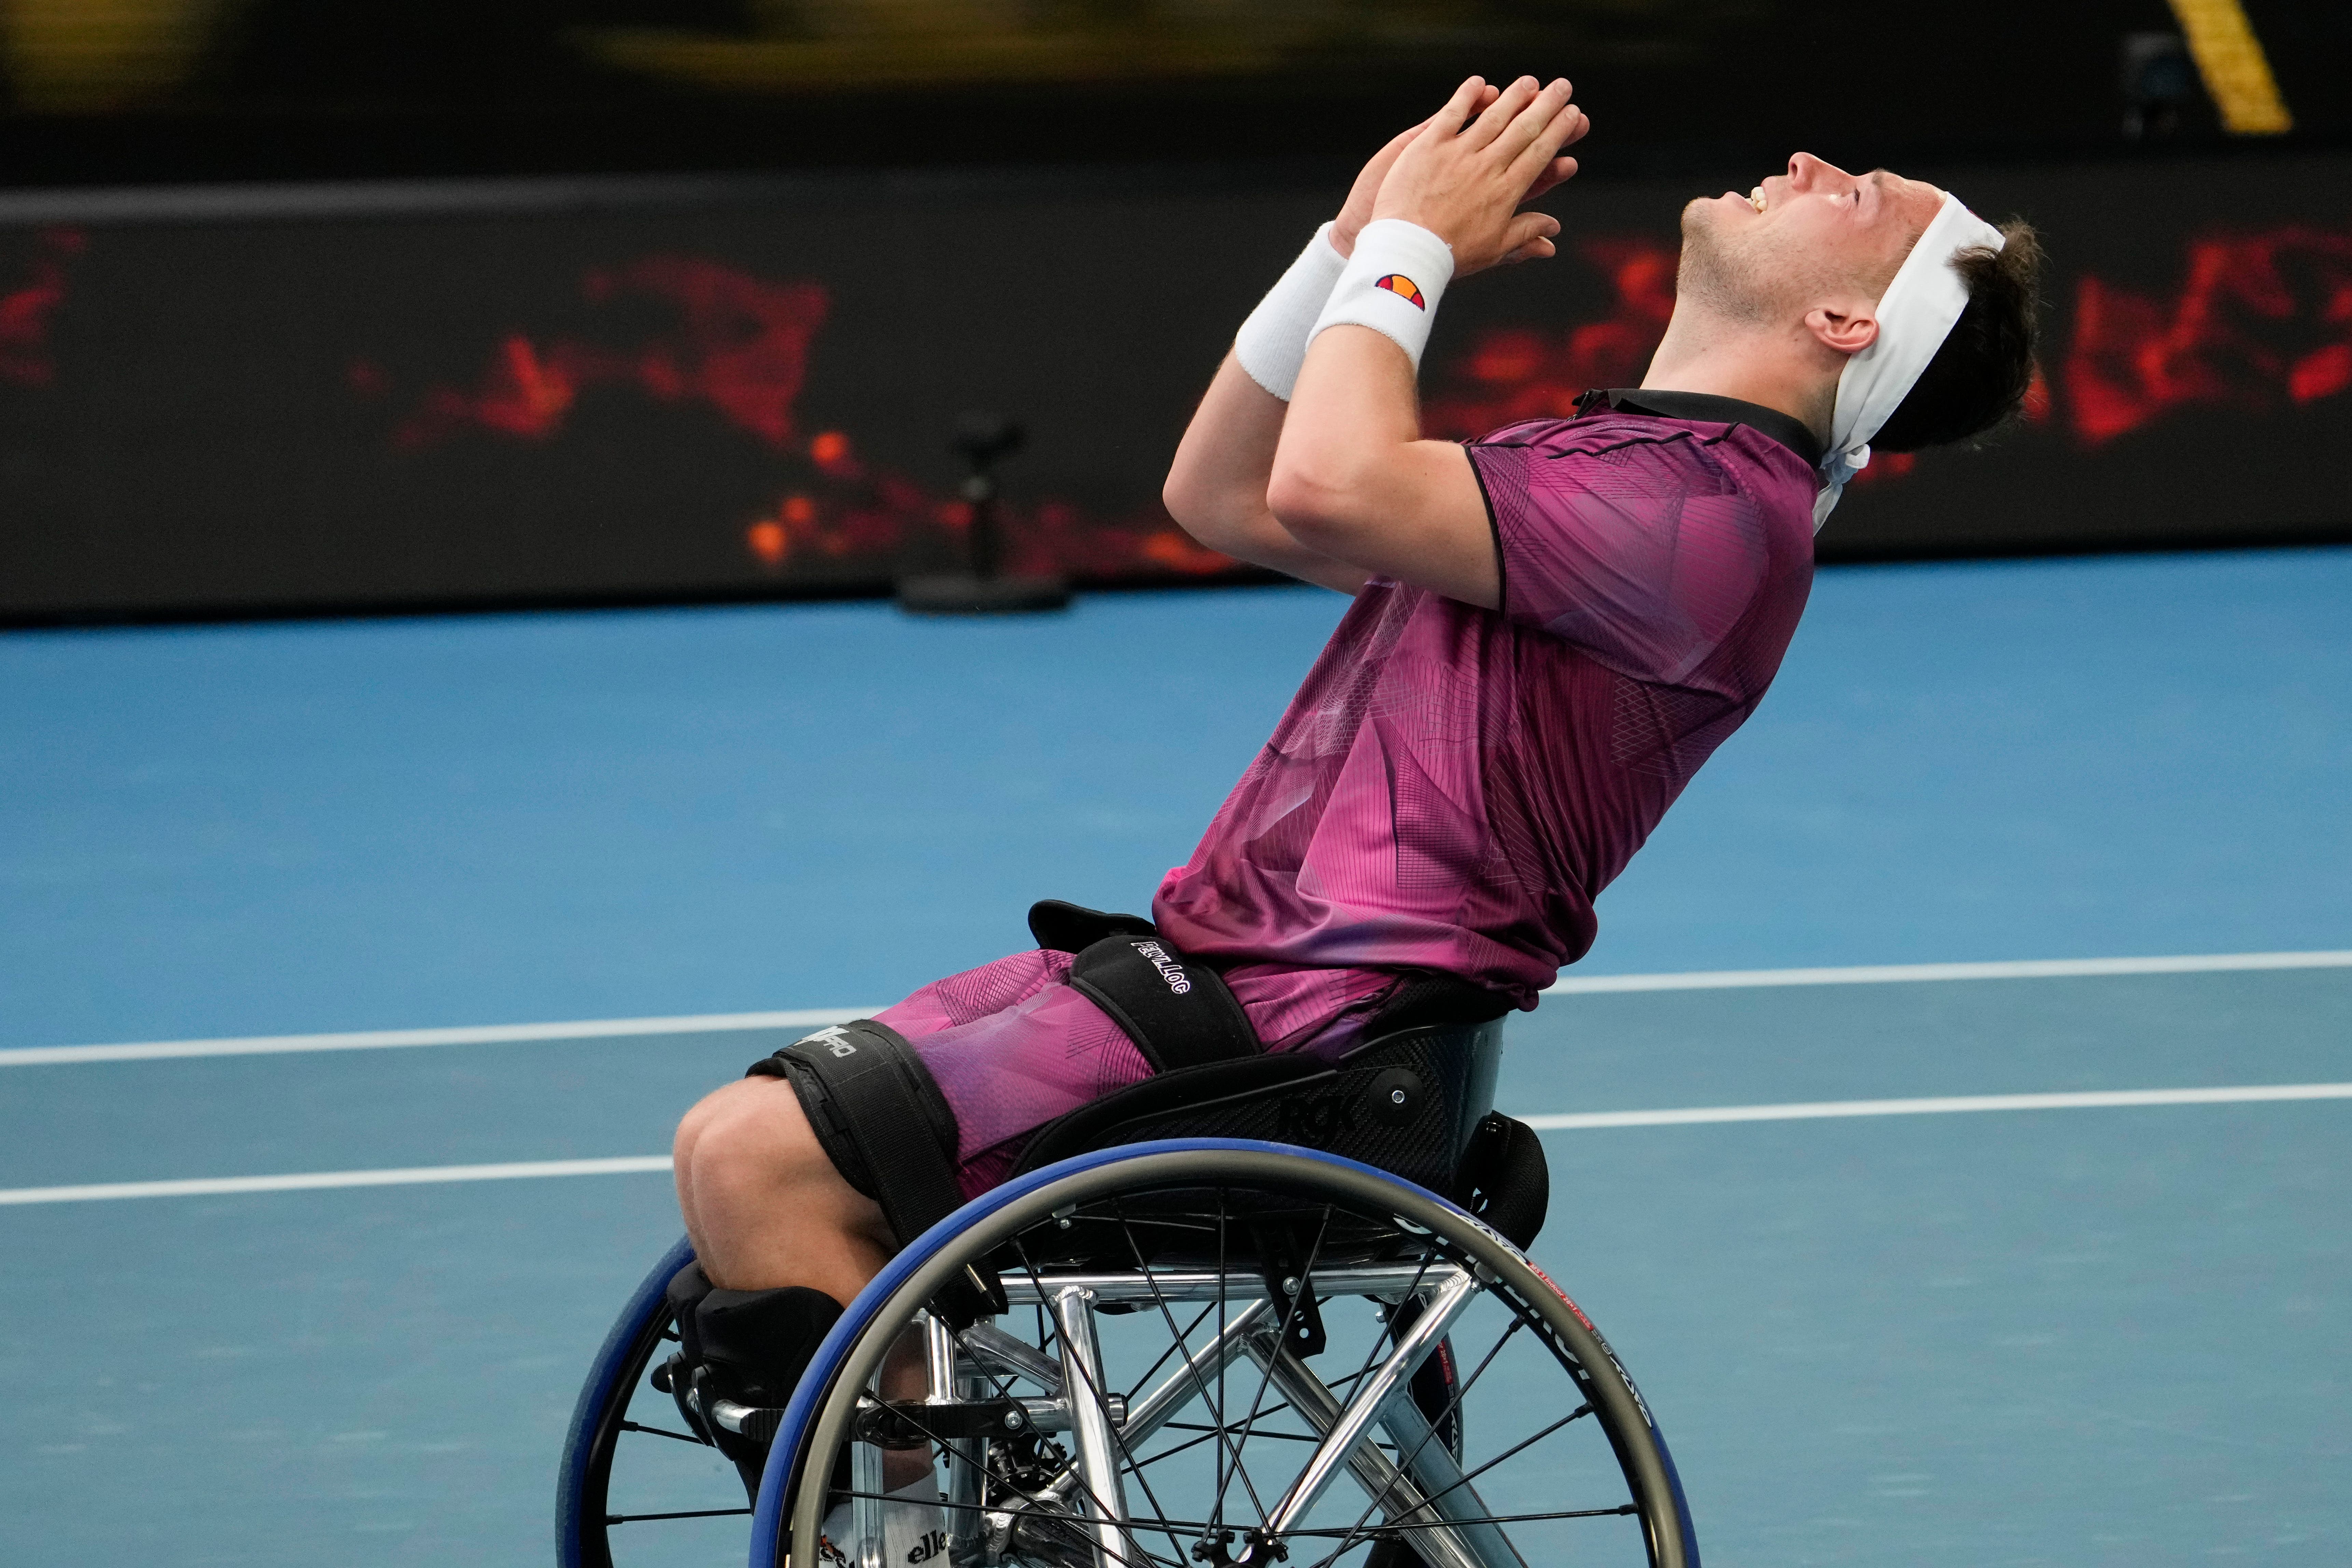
881 1117
1180 1012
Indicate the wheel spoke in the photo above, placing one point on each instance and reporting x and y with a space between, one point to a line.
1578 1414
1353 1422
1289 1319
1181 1347
1227 1341
1378 1531
1074 1358
1407 1462
688 1513
1388 1488
662 1432
1175 1345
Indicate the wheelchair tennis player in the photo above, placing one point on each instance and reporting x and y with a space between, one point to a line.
1552 629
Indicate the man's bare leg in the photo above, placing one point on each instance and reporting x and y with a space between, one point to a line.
766 1209
763 1205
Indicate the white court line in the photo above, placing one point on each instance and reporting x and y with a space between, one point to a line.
814 1017
1811 1111
314 1181
1804 1111
476 1034
1891 973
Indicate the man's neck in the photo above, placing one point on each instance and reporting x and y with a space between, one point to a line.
1755 364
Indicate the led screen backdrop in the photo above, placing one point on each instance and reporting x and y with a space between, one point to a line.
415 396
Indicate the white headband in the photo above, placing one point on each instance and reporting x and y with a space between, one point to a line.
1915 315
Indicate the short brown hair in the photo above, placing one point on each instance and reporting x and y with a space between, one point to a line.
1978 377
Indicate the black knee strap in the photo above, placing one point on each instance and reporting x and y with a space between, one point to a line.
881 1117
1179 1012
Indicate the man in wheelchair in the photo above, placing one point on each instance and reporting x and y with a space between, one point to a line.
1552 629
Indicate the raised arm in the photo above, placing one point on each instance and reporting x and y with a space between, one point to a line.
1216 488
1352 480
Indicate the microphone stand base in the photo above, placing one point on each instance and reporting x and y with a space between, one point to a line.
964 594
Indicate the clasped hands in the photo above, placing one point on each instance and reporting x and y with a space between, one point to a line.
1464 173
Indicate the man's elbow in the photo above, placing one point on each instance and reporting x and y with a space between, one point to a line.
1319 507
1195 508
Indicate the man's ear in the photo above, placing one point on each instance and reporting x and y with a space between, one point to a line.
1843 331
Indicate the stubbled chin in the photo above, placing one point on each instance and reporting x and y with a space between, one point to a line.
1706 213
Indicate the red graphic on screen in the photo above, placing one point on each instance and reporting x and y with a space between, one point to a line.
1517 372
2260 320
1885 465
740 344
27 309
1403 287
848 510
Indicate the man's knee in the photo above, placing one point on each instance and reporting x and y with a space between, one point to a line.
752 1131
765 1203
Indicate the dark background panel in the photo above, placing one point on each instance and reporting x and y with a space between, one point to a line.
212 90
497 396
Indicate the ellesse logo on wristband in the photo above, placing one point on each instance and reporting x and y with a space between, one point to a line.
1403 287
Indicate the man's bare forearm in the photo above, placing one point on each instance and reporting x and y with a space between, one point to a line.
1351 477
1216 487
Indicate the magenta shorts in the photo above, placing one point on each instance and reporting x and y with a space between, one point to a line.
1013 1045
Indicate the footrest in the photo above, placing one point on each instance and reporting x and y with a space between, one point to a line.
755 1423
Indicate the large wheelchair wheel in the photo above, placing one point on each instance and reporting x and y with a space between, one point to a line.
638 1489
1211 1351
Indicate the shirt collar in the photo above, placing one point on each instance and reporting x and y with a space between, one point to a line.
1706 408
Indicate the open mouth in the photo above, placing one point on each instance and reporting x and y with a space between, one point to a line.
1756 198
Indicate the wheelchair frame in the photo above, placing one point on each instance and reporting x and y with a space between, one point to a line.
1409 1482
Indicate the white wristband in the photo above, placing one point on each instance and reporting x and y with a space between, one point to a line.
1272 344
1393 284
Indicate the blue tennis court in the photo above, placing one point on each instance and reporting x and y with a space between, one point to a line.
2089 1333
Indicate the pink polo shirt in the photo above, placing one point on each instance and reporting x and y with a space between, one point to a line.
1453 786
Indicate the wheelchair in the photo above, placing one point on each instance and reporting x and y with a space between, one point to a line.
1277 1314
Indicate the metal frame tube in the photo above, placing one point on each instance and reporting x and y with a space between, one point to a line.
1392 1490
1389 1281
1453 1499
1015 1356
1163 1404
866 1506
951 1379
1385 1382
1097 1445
1190 1381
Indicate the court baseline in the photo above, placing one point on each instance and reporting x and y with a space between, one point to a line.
314 1181
816 1017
